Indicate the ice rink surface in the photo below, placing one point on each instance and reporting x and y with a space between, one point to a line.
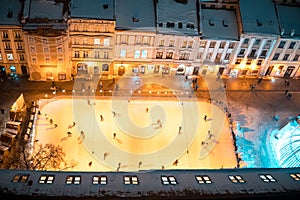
130 135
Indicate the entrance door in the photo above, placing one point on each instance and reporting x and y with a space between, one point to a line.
269 70
289 71
196 71
121 70
24 70
2 71
221 70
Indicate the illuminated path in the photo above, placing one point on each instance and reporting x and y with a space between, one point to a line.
144 139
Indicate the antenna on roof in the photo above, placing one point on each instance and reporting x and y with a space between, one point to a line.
292 32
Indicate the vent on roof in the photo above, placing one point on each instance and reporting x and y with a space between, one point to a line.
10 13
258 23
105 6
181 1
225 23
134 19
211 22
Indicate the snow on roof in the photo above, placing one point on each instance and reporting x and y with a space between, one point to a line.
9 12
259 16
132 14
219 24
45 9
94 9
289 20
177 16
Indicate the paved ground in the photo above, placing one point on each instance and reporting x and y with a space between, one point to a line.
251 111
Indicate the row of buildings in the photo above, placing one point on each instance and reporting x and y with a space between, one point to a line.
61 39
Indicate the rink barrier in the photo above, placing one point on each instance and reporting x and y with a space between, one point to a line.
258 182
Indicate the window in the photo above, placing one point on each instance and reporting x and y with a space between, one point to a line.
248 62
85 28
106 42
167 180
171 43
184 56
105 67
58 40
5 34
252 53
268 43
146 40
102 180
259 62
180 25
73 180
7 46
45 41
123 53
161 43
76 40
76 54
123 39
22 57
212 44
203 179
241 53
238 61
0 56
222 45
286 56
10 56
184 43
137 54
131 180
31 40
292 45
19 46
96 41
246 41
227 55
281 44
138 39
159 54
60 61
106 55
85 54
267 178
20 178
257 42
202 44
236 179
144 53
199 55
97 54
34 60
46 50
296 57
32 49
62 76
231 45
263 53
296 176
59 50
276 56
46 179
169 55
47 61
190 45
85 41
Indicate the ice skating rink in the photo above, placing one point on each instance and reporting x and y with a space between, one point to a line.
122 135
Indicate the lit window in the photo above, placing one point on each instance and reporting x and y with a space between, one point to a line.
203 179
236 179
267 178
184 43
46 179
73 180
20 178
144 53
136 53
105 67
123 53
296 176
106 42
167 180
97 41
202 44
131 180
102 180
10 56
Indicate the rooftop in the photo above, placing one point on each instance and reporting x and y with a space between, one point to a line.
289 20
93 9
263 20
135 14
219 24
178 17
40 9
9 12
